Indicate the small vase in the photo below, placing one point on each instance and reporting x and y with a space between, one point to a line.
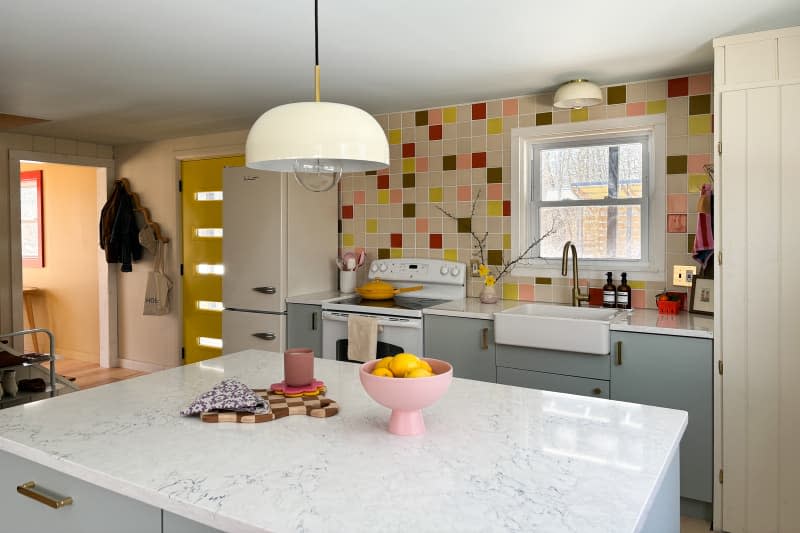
488 295
9 382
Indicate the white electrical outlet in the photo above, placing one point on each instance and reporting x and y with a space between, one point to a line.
682 275
473 267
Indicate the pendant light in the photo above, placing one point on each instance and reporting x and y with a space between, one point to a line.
317 141
576 94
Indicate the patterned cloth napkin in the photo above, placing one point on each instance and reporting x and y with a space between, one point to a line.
228 395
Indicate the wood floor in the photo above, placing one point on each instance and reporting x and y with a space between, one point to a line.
88 375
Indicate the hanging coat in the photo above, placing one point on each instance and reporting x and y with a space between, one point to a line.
119 233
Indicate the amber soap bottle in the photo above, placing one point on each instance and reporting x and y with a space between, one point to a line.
609 292
624 293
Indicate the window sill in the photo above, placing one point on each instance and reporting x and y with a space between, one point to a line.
589 270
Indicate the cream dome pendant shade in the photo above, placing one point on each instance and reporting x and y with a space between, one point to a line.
317 141
576 94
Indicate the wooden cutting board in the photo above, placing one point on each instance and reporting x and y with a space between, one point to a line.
280 407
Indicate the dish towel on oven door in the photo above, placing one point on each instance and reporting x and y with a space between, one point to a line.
362 338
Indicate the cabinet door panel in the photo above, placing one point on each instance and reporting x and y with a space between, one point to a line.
466 343
597 388
583 365
252 331
178 524
304 327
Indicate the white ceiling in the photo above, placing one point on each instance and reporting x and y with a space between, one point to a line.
124 71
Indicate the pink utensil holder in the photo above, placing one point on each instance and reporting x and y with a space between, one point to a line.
298 366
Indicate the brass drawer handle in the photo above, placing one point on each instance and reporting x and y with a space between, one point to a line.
619 353
29 489
485 339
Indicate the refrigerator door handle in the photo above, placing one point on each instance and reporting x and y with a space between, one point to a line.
265 290
265 336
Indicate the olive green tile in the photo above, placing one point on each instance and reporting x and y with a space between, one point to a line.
690 243
494 175
700 104
549 281
495 257
435 194
544 119
655 107
421 118
383 253
699 124
494 126
465 225
372 225
409 210
395 253
510 291
449 162
696 182
636 284
450 254
579 115
409 180
676 164
616 95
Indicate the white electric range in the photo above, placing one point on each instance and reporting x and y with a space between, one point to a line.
400 324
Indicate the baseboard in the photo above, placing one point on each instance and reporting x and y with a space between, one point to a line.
141 366
696 509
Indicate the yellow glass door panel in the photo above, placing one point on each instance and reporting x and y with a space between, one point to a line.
201 202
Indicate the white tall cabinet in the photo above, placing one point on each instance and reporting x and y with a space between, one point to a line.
757 226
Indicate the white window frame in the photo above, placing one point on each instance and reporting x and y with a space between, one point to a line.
651 266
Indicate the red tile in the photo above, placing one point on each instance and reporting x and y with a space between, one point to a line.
678 87
397 240
435 241
506 208
479 111
347 211
595 296
408 150
435 133
478 159
383 181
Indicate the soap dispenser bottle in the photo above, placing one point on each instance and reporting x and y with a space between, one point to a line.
609 292
624 293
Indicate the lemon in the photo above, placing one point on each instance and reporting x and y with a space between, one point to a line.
424 364
383 372
384 362
403 363
419 372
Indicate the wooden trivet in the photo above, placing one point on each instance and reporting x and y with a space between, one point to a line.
280 407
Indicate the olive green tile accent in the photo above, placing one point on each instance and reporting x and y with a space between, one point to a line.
409 180
544 119
449 162
383 253
549 281
506 241
395 136
465 225
676 164
409 210
696 182
700 104
690 243
372 225
371 173
636 284
655 107
347 239
450 254
421 118
494 175
494 126
616 95
510 291
395 253
699 124
435 194
449 115
495 257
579 115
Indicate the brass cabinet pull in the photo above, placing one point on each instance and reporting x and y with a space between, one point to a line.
29 489
597 390
619 352
485 339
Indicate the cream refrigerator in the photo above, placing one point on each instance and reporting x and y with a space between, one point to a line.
279 240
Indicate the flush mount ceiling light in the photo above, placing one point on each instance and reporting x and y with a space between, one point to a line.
317 141
576 94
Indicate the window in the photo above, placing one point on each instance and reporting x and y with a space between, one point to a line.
598 184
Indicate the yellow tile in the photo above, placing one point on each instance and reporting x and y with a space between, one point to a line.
696 181
510 291
699 124
383 196
636 284
435 194
347 240
494 208
494 126
395 137
396 253
372 225
579 115
451 255
449 115
408 165
655 107
506 241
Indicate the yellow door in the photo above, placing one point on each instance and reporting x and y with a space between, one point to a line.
201 203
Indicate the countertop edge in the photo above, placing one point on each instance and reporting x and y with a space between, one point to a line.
458 314
656 330
317 298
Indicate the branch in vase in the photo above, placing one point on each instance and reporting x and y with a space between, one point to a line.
508 267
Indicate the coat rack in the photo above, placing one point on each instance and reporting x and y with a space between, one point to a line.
137 206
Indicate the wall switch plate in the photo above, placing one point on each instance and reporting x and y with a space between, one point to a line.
682 275
473 268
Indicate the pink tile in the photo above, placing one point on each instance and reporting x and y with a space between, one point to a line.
396 196
676 203
510 107
359 197
465 193
434 117
525 292
422 164
636 108
637 299
700 84
463 161
694 163
422 225
495 191
676 223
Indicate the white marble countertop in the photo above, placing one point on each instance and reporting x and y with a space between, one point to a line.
471 308
317 298
494 458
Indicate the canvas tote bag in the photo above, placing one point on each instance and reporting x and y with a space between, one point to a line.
156 296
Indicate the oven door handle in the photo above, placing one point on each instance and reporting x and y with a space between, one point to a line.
392 322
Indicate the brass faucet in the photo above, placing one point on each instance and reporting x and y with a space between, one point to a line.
577 295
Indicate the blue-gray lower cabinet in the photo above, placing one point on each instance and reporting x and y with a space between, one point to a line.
673 372
466 343
552 382
304 327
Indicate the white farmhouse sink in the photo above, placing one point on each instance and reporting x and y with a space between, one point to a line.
555 327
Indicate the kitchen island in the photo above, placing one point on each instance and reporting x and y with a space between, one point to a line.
494 458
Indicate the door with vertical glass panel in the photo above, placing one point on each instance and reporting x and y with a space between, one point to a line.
201 203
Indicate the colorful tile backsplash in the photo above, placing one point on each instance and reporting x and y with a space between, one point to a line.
448 156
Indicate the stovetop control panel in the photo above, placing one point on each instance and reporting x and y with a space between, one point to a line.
419 270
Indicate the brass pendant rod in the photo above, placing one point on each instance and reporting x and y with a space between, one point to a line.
316 50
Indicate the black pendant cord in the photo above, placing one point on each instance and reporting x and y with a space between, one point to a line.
316 32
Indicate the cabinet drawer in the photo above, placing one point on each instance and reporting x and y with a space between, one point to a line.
597 388
93 509
242 330
554 362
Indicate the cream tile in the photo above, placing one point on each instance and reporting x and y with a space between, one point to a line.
494 108
616 111
636 92
383 120
493 142
526 121
464 130
395 121
656 90
561 117
678 107
421 134
409 119
409 134
677 127
450 131
478 127
677 183
464 113
701 144
678 145
544 103
465 145
598 112
527 104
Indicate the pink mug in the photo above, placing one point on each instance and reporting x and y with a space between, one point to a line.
298 366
